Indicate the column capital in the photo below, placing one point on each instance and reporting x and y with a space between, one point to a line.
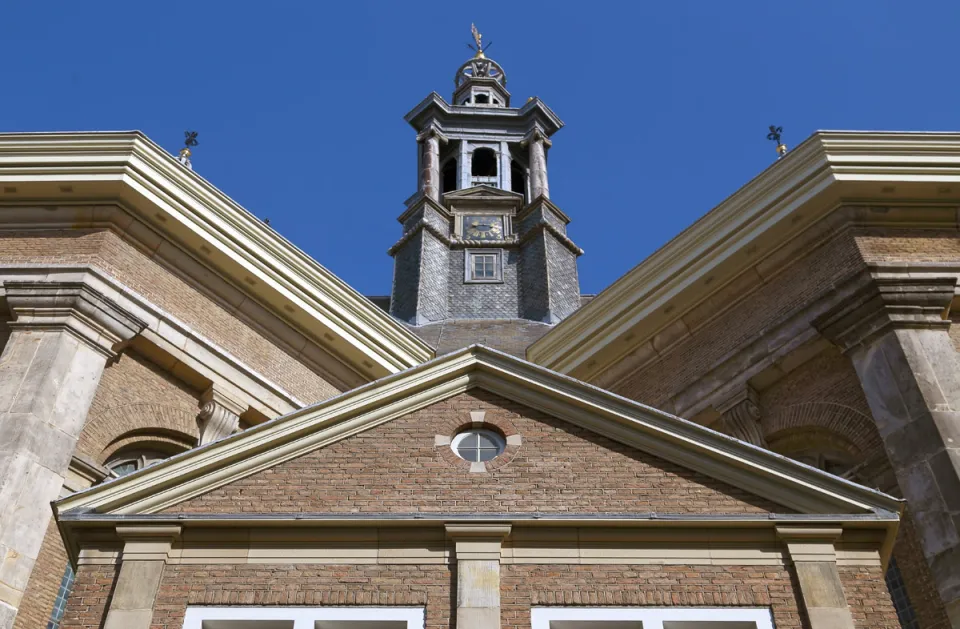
219 415
147 543
73 307
889 301
536 135
432 131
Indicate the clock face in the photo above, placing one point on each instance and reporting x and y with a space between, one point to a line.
483 227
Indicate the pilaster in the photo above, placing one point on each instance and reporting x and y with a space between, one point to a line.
815 561
478 573
61 338
538 144
138 581
895 331
431 138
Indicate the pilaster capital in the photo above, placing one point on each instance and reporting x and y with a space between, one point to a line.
73 307
147 543
810 543
478 541
432 131
889 301
219 415
536 135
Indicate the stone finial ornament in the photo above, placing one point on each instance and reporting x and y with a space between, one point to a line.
774 136
190 140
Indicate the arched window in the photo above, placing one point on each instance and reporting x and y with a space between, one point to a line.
484 163
481 99
449 176
129 461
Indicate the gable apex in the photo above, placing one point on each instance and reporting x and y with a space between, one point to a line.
765 474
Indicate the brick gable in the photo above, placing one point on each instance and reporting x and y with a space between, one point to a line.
397 468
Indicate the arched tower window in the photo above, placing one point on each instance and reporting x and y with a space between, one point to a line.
449 176
484 163
129 461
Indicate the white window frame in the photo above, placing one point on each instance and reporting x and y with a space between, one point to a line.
651 617
468 266
304 617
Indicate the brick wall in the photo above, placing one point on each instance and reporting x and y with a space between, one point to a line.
744 310
525 585
429 586
136 398
522 586
91 594
397 468
129 265
908 245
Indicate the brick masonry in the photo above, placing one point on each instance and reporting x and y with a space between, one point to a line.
522 586
397 468
181 297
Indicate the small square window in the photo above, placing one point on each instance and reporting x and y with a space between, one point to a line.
483 266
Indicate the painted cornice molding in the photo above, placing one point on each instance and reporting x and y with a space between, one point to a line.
763 473
785 199
128 166
435 110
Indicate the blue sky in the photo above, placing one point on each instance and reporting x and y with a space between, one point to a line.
300 106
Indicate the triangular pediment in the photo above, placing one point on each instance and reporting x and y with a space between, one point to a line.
482 194
751 470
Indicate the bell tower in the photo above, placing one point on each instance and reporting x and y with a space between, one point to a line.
481 238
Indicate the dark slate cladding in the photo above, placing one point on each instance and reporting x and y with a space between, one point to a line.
498 300
433 280
534 290
406 279
563 279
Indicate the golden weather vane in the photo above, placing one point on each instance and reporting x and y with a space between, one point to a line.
477 37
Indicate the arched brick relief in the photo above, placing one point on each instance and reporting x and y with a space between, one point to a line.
129 424
846 424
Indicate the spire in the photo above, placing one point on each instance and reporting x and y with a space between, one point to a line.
480 81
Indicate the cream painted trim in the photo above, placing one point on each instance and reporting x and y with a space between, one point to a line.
758 471
178 202
785 198
171 335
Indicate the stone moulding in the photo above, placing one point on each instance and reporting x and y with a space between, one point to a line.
127 166
757 471
790 196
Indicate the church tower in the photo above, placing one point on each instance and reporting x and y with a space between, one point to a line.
481 238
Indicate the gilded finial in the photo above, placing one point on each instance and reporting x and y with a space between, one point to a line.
774 136
477 37
189 140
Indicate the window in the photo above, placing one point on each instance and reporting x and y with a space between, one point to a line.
483 266
482 99
518 179
130 461
60 604
650 618
478 445
898 592
484 163
303 618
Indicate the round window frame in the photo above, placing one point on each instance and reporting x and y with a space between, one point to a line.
494 435
496 420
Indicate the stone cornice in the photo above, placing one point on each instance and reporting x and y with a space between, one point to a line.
754 470
434 108
72 306
907 300
128 167
542 200
793 194
545 225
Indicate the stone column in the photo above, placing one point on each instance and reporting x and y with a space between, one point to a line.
815 561
506 177
219 415
430 138
138 581
478 573
741 416
896 334
538 144
61 338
